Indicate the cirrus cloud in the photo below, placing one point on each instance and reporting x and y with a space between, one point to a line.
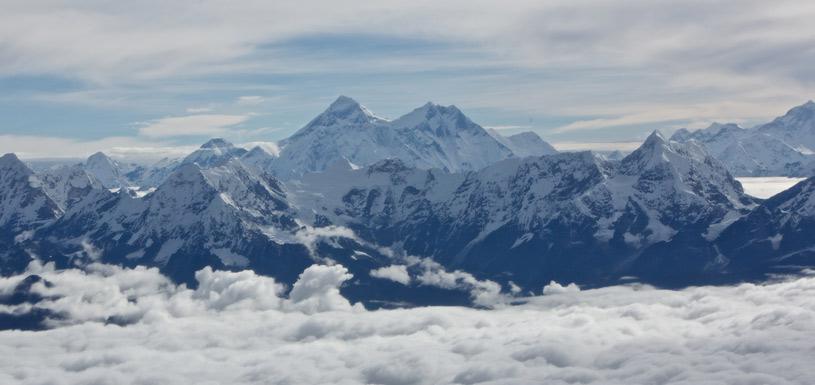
192 125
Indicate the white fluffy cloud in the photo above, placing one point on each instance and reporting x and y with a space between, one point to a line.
239 328
395 273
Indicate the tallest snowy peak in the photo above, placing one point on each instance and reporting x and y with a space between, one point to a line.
430 109
348 107
444 120
342 103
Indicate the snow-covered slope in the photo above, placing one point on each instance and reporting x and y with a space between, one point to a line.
367 192
524 144
779 233
796 127
715 137
24 205
533 218
259 158
214 153
443 137
68 184
221 216
107 171
430 136
151 176
346 130
783 147
764 155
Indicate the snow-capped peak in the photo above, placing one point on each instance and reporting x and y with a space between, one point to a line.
441 120
23 202
344 114
716 132
343 104
796 127
10 162
525 143
214 152
807 107
258 152
798 114
68 184
100 161
219 144
655 140
106 170
654 151
348 108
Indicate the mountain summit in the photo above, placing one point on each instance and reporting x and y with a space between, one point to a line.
431 136
214 153
796 127
783 147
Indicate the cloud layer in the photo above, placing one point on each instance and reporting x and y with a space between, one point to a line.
571 70
241 328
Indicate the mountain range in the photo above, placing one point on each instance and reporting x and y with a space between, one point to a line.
782 147
421 210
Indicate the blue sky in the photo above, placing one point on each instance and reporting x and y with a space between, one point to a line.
150 78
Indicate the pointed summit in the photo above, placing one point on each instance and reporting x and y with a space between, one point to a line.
99 156
430 110
438 119
106 170
218 143
349 109
655 139
11 161
651 153
343 103
185 185
343 114
23 202
528 143
99 160
213 153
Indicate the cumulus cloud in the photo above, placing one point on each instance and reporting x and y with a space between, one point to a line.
483 292
317 289
556 288
395 273
132 326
